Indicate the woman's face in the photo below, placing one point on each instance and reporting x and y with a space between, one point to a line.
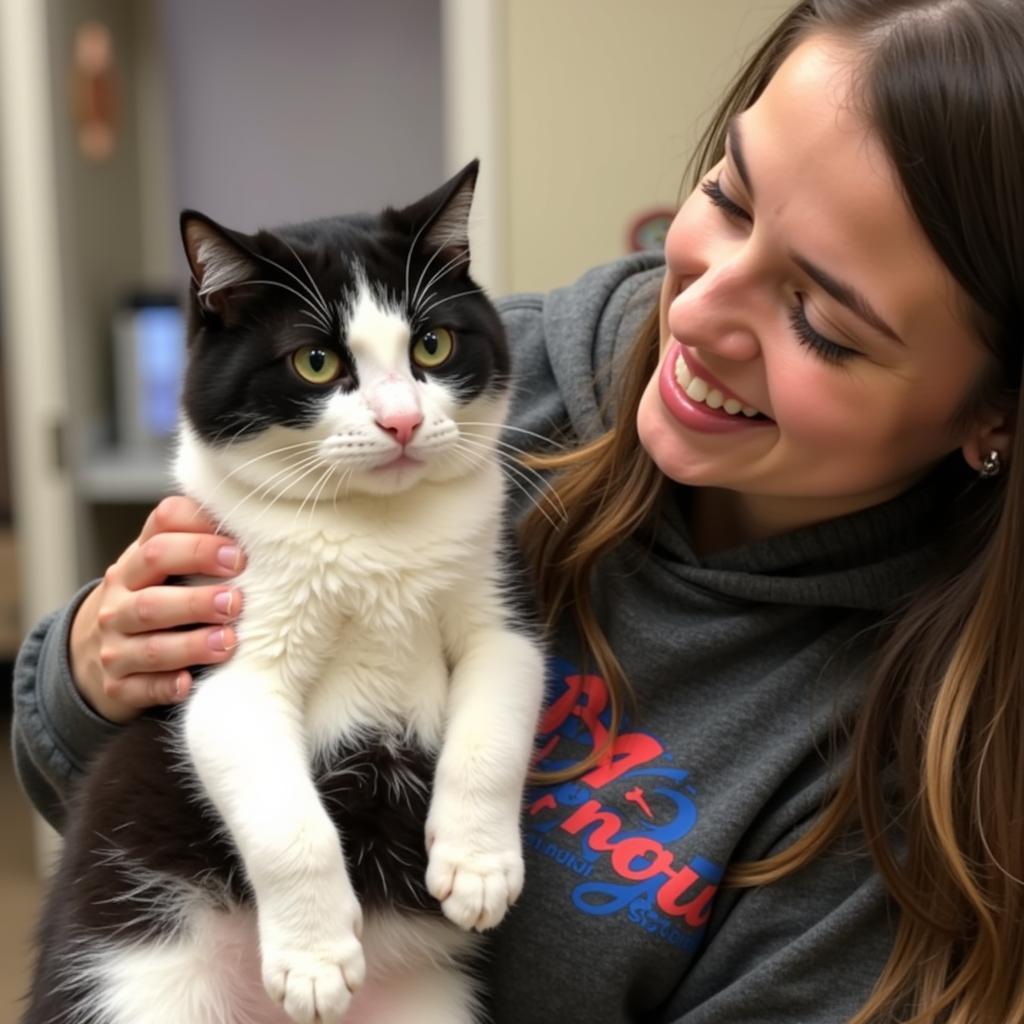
798 284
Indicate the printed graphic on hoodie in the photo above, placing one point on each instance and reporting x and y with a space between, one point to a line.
618 826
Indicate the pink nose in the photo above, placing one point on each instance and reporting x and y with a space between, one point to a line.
401 425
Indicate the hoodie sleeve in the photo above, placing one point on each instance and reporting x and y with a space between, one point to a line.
54 732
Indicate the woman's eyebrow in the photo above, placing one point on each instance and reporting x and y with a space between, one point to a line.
844 294
735 151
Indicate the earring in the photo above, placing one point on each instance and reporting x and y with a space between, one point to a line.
991 465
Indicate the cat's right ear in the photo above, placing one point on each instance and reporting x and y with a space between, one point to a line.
220 262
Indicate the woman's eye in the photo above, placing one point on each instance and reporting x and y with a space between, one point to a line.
433 347
316 365
807 335
712 188
824 347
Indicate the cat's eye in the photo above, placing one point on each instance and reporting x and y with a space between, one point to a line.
433 348
317 365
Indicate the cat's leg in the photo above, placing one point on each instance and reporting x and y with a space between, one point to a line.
473 828
244 735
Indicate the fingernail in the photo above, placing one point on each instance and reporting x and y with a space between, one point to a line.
228 556
222 602
181 681
216 641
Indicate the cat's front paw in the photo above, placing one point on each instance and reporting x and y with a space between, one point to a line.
315 986
475 885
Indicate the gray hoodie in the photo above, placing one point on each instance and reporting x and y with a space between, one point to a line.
741 663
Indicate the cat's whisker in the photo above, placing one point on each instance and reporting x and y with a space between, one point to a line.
423 274
246 422
305 270
289 483
312 310
414 318
456 230
542 490
506 448
458 260
506 427
308 295
481 459
316 490
309 493
258 458
342 479
517 476
267 485
408 261
449 298
316 327
275 451
490 439
506 452
427 291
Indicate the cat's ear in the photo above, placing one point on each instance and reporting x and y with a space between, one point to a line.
219 260
440 220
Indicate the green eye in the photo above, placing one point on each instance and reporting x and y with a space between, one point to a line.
433 348
317 365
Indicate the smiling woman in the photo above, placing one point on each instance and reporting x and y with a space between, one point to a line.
849 271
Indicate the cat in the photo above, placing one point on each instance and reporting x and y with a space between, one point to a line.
321 830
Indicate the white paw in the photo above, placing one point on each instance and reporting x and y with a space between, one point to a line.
475 886
315 986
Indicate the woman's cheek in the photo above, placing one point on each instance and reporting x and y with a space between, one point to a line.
809 408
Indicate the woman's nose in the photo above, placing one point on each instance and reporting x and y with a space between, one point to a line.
716 312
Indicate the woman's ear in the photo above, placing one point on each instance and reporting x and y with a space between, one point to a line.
994 434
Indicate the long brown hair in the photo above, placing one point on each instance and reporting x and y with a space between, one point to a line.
942 82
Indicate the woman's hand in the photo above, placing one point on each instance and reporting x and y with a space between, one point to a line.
125 656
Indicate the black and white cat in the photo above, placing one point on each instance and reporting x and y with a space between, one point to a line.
336 809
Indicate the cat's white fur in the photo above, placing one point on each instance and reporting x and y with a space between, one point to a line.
375 601
207 975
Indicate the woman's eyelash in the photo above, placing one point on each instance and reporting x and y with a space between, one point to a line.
806 334
713 190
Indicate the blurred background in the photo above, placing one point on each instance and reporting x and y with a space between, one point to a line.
115 114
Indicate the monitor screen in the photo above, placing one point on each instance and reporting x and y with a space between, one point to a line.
159 336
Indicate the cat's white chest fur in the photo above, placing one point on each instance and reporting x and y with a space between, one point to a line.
343 602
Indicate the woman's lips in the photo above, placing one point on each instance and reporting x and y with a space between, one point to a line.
713 383
693 413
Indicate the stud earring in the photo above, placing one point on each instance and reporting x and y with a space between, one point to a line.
991 465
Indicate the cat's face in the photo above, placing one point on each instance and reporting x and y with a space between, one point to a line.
350 355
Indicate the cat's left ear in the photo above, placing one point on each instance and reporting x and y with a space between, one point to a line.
219 259
440 221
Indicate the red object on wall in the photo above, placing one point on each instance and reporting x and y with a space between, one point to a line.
95 99
648 230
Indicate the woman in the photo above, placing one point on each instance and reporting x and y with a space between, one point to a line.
795 512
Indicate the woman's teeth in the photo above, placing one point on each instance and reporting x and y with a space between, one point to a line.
700 391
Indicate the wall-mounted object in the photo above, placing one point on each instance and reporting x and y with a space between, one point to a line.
94 91
649 229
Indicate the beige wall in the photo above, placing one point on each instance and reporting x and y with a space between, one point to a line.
604 102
